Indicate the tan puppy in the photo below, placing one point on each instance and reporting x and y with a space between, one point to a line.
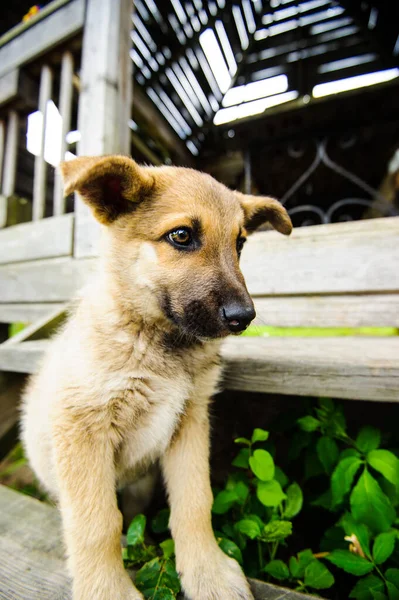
128 380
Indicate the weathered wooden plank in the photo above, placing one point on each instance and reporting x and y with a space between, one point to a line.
353 368
32 565
42 328
43 35
9 165
105 99
2 142
26 312
361 256
363 310
40 170
65 107
52 280
47 238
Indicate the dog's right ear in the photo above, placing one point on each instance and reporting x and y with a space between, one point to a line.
110 185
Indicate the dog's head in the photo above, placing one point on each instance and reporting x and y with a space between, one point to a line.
175 238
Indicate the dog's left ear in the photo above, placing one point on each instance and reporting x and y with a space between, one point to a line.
110 185
263 209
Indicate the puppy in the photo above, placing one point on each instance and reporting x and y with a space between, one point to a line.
128 380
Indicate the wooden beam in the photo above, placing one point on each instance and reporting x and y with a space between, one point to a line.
40 170
48 238
105 98
38 330
65 108
43 35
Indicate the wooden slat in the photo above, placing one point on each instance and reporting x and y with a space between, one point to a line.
26 312
9 165
352 368
40 170
65 107
47 238
40 329
32 564
52 280
361 256
365 310
43 35
2 142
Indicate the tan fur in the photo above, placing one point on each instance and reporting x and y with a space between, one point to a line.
128 380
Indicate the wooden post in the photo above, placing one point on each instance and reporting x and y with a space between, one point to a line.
105 98
65 107
10 164
2 140
39 180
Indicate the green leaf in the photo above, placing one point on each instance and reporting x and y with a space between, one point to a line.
277 569
369 504
327 451
269 493
242 459
384 545
160 523
224 501
242 440
249 528
160 593
259 435
308 423
257 520
385 463
342 478
298 565
379 595
369 438
324 500
262 465
392 575
366 586
168 548
135 533
349 452
293 504
280 476
349 562
318 576
148 575
393 591
276 531
239 488
230 548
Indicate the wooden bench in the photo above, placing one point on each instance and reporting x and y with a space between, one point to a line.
339 275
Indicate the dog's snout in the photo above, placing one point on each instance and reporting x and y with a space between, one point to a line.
238 316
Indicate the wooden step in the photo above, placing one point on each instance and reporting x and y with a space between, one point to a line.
32 563
358 368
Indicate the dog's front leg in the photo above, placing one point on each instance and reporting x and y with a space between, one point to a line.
206 572
84 464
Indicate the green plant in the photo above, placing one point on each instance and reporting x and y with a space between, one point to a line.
363 495
254 515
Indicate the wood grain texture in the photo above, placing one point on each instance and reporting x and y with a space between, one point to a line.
48 238
26 312
32 565
42 36
357 310
353 368
9 86
52 280
361 256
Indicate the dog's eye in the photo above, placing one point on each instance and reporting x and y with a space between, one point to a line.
240 244
180 237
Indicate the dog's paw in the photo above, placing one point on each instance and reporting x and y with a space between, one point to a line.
219 577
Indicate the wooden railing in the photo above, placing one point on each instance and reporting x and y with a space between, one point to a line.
37 65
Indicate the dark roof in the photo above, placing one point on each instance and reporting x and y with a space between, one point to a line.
276 47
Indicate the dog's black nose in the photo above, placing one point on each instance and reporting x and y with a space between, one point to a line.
238 316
